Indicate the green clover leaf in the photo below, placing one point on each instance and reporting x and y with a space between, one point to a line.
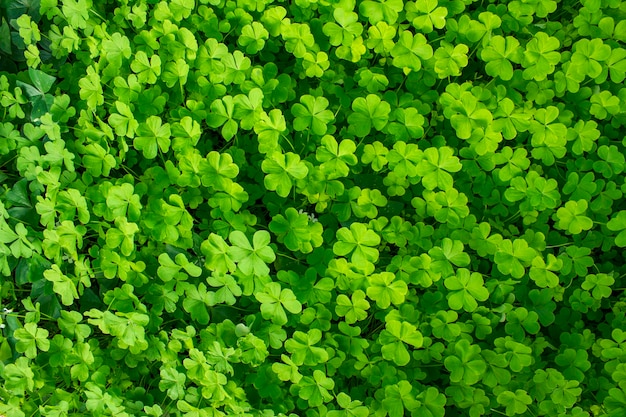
521 320
450 59
410 50
500 55
274 301
122 236
540 56
369 112
358 240
449 253
19 378
513 256
152 136
315 390
251 259
381 10
91 89
353 308
465 289
432 403
62 285
147 69
347 29
336 158
466 364
398 397
515 402
545 273
302 349
297 231
426 15
197 302
385 289
221 113
31 338
76 12
123 121
171 269
599 285
435 166
618 224
281 170
216 251
312 114
349 408
394 338
287 371
253 37
121 201
381 38
572 217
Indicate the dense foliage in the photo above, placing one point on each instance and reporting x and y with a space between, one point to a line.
315 208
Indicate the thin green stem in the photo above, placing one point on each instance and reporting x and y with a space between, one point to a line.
289 142
560 245
288 257
97 14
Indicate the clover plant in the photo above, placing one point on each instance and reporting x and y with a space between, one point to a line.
312 208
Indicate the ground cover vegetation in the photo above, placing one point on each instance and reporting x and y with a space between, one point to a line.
312 208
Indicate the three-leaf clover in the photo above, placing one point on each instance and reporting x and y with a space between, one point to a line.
385 289
62 285
545 273
465 288
147 69
358 240
540 56
513 256
466 364
251 258
123 121
275 300
353 308
312 114
410 50
152 136
435 166
297 231
315 390
500 54
303 350
572 217
599 285
281 170
31 338
349 408
369 112
336 157
381 10
398 397
394 338
515 402
426 15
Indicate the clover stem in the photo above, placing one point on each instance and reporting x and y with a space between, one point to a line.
97 14
288 257
289 142
401 84
560 245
